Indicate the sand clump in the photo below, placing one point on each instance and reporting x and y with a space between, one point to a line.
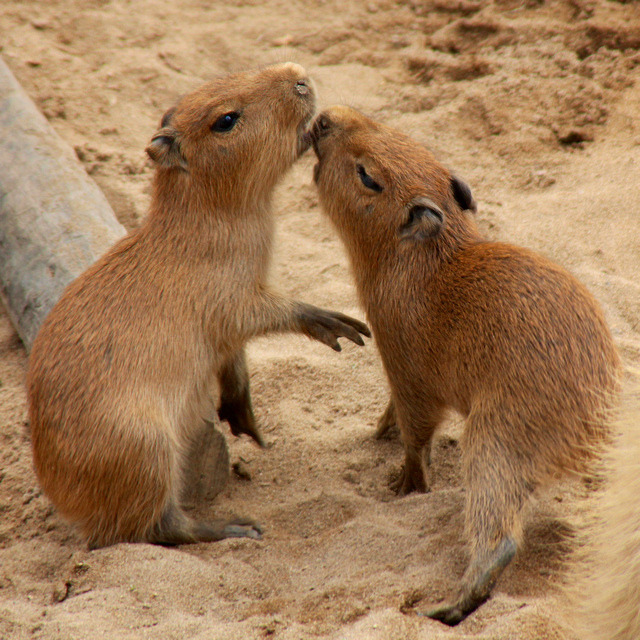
533 102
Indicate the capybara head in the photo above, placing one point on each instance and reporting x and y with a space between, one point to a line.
382 189
237 134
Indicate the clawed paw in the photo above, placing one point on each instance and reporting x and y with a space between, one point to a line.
327 326
243 528
407 483
448 614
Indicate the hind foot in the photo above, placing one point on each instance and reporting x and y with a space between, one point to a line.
214 531
449 614
237 528
176 528
479 580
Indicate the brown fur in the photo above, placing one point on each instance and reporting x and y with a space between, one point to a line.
125 367
511 341
605 590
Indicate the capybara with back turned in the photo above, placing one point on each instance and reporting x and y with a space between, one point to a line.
126 365
510 340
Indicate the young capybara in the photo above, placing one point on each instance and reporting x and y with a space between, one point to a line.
505 337
126 365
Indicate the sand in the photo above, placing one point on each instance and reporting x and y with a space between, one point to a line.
535 103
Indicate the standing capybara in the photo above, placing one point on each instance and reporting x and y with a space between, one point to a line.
508 339
605 590
125 367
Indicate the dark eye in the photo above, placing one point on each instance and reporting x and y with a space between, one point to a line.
367 180
225 122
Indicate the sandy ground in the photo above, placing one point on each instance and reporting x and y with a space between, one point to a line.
535 103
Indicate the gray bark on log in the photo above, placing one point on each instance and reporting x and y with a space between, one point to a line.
54 220
54 223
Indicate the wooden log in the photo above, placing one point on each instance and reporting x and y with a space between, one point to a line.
54 220
54 223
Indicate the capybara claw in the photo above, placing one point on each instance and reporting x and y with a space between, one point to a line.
327 326
407 483
253 531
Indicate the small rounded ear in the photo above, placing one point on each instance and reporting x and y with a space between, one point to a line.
424 220
164 149
462 194
166 118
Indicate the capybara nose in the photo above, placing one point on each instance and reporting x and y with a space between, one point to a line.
303 87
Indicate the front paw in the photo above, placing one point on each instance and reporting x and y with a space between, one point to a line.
327 326
408 481
241 420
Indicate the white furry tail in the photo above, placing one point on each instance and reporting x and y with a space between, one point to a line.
607 587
